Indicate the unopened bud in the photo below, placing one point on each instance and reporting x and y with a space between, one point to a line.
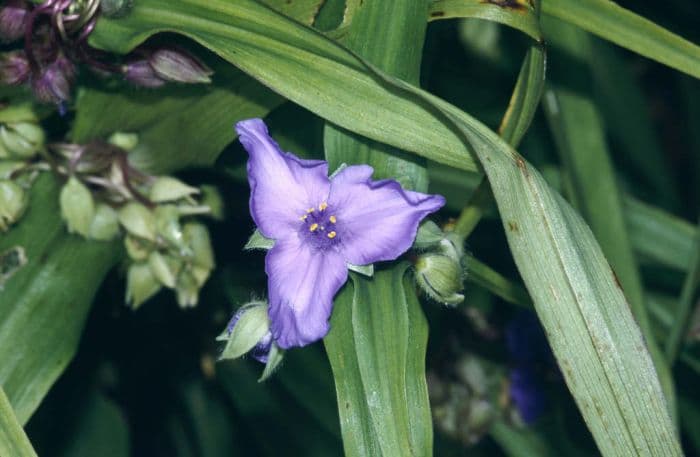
14 16
21 140
187 290
211 198
137 248
8 167
440 277
13 202
138 220
77 206
168 189
141 73
53 83
179 66
124 140
248 331
14 68
167 220
105 224
163 269
197 238
116 8
141 284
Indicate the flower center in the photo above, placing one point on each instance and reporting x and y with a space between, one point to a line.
319 227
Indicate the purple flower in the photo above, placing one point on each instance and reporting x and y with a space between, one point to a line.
13 20
14 68
321 225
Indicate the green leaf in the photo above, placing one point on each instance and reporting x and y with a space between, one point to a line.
378 366
614 23
299 63
594 336
520 16
13 440
44 305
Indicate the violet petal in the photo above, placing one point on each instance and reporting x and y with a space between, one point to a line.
302 283
282 186
378 220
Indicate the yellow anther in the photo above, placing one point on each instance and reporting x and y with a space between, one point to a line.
333 219
311 210
323 206
313 227
331 235
303 218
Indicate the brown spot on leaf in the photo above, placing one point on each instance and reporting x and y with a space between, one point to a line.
617 280
437 14
515 5
513 226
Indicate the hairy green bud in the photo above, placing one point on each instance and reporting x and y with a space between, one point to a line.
77 206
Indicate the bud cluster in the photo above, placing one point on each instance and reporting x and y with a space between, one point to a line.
105 196
55 40
466 403
21 139
248 332
438 266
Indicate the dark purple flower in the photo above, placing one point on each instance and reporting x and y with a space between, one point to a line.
321 225
14 15
141 73
14 68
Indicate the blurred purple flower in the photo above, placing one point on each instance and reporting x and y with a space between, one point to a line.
14 15
528 393
320 225
14 68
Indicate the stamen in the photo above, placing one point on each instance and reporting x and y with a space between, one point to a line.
303 218
323 206
331 235
311 210
313 227
333 219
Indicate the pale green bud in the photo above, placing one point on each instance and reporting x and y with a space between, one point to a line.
167 220
200 274
22 140
197 238
187 290
168 189
7 167
452 247
440 277
141 284
77 206
105 225
136 248
126 141
138 220
248 327
13 202
163 269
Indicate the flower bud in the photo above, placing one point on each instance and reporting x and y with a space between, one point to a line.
168 189
163 269
14 16
116 8
141 284
211 198
138 220
141 73
14 68
53 83
440 277
167 220
8 167
248 331
124 140
137 248
187 290
13 202
179 66
197 238
105 224
21 140
77 206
